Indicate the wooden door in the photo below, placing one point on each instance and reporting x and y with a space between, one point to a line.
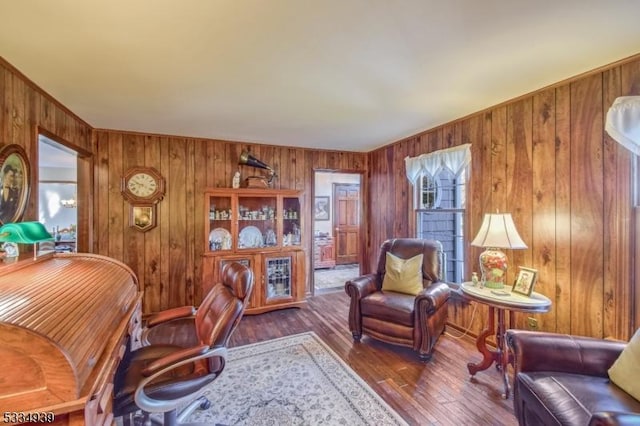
346 222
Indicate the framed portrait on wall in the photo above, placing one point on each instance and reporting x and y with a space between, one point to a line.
321 208
14 183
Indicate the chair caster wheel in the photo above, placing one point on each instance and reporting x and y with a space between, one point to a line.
205 405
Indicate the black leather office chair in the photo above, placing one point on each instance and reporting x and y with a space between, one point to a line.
164 376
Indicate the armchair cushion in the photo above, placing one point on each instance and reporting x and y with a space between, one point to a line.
625 371
403 275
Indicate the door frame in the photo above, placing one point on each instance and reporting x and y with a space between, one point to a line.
84 185
364 237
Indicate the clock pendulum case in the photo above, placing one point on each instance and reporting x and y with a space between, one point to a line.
143 188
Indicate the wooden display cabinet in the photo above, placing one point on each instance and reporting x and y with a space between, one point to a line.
260 228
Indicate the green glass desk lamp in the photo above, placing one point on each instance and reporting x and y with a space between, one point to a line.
25 233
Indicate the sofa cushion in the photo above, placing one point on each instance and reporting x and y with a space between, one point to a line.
625 371
569 399
403 275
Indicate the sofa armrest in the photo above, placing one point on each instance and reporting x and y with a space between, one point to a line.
543 351
432 297
360 287
612 418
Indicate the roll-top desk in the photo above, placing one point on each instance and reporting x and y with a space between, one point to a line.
65 320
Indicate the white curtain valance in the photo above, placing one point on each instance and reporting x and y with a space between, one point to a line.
623 122
455 159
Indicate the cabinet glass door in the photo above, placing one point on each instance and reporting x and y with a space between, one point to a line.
220 218
278 277
291 235
257 225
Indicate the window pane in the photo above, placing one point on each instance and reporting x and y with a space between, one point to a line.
443 220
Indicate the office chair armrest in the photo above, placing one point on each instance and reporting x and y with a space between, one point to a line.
173 358
170 314
362 286
152 405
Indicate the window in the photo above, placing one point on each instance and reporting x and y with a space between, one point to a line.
440 216
439 180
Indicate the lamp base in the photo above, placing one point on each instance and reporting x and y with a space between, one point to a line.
494 268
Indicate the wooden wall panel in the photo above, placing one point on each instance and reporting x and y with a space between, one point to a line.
587 250
543 237
545 158
24 110
630 85
168 257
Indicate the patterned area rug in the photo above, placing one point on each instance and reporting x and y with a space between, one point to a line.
333 278
294 380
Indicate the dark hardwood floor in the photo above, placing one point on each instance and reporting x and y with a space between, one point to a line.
439 392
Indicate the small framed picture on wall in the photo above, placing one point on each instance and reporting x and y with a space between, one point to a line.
322 207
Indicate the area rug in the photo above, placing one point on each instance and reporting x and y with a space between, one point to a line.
294 380
336 277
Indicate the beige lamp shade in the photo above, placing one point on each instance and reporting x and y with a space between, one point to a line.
499 231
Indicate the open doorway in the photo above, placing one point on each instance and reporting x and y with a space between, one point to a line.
58 192
336 229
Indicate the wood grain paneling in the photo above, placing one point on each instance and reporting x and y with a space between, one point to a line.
168 258
545 158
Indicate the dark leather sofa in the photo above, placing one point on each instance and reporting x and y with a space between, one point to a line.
561 379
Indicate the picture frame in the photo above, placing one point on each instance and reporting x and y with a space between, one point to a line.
525 281
321 208
15 183
143 217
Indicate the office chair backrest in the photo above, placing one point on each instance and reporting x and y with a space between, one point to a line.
222 309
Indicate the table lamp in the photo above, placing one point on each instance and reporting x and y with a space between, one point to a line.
497 231
25 233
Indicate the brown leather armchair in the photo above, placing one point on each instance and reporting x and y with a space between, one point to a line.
397 318
561 379
167 374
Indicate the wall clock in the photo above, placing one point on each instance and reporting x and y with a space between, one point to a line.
142 185
143 188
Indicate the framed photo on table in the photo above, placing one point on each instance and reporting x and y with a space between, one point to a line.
525 281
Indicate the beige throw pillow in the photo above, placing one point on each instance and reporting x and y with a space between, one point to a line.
403 275
625 372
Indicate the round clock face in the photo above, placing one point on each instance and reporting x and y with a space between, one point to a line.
142 185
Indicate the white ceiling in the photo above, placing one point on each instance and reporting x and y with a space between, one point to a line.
336 74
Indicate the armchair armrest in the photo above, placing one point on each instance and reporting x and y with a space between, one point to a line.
432 297
542 351
362 286
170 314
